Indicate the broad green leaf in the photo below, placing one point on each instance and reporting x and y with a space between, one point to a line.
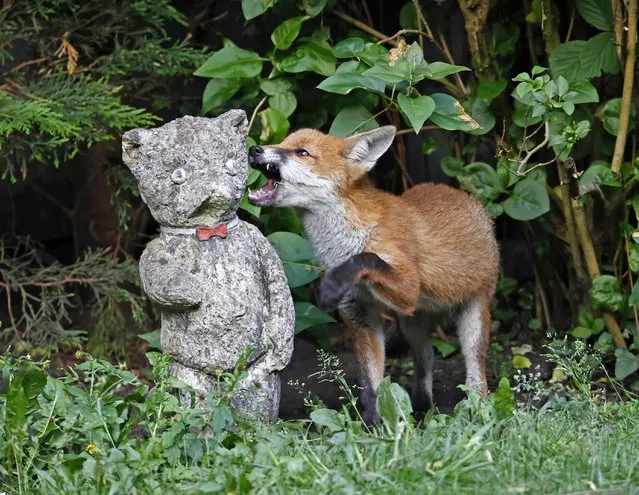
503 399
599 173
610 113
449 114
373 54
231 62
247 206
626 364
33 383
344 82
478 110
312 7
311 55
348 48
308 315
605 293
153 338
581 332
393 404
328 418
564 60
529 200
391 74
285 33
254 8
299 274
495 209
417 109
452 166
352 120
291 247
16 406
274 87
218 92
633 259
408 16
489 90
285 103
581 91
275 126
445 348
599 54
481 180
521 362
351 66
596 12
439 70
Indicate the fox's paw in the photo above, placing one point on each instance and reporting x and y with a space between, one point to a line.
332 288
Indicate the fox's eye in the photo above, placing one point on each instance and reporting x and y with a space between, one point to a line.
302 153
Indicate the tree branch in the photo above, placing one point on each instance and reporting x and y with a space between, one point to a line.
628 81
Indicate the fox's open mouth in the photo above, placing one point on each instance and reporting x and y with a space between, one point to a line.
266 196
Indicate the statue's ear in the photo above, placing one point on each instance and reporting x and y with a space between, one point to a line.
364 149
131 141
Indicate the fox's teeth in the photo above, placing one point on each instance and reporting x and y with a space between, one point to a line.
268 167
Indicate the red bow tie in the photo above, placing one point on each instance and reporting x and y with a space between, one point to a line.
205 233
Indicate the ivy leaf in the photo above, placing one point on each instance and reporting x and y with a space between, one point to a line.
351 120
249 207
231 62
481 180
285 103
254 8
308 315
529 200
344 82
291 247
284 34
219 91
596 12
373 54
626 364
449 114
311 55
605 293
397 73
417 109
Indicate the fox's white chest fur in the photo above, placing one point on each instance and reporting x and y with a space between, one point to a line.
333 238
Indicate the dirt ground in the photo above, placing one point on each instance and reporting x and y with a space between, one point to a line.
448 374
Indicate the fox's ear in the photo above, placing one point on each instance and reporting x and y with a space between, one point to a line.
365 149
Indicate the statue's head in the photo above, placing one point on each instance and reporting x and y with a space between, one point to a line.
191 171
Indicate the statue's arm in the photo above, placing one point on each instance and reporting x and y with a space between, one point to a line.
281 314
164 281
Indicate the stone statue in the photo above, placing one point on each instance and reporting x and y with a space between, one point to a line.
218 282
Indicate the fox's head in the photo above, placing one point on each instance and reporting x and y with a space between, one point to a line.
309 167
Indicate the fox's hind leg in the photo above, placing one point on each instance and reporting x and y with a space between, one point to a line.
473 328
367 330
416 331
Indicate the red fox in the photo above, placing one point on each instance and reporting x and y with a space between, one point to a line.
429 256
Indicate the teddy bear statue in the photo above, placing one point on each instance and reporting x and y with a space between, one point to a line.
219 284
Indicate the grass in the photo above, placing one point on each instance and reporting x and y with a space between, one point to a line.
98 430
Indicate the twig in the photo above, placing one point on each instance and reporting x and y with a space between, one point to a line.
28 63
425 128
399 33
529 155
628 81
617 10
570 26
360 25
254 114
449 56
530 36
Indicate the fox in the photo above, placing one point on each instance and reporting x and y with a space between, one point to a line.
426 257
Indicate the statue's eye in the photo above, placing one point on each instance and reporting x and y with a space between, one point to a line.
178 176
302 153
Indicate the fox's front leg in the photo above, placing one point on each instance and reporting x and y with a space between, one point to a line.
164 281
394 285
